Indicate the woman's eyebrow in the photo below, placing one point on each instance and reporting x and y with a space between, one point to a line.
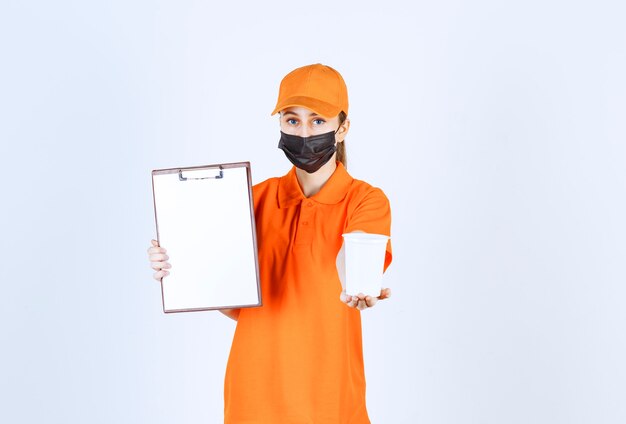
312 114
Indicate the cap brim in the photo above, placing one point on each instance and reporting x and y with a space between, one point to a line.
321 108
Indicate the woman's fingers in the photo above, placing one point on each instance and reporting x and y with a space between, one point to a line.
370 301
362 301
156 249
354 301
361 305
384 294
154 257
158 260
160 265
160 274
357 300
344 297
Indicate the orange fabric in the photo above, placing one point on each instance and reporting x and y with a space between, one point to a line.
298 359
317 87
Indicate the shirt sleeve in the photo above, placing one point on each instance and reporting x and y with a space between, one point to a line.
372 214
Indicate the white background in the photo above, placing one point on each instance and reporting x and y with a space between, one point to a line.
497 129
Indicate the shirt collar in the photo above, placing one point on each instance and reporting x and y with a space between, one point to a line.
333 192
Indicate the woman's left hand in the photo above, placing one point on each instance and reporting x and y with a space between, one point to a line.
360 301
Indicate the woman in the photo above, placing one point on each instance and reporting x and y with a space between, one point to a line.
299 357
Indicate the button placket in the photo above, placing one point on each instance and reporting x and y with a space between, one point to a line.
306 221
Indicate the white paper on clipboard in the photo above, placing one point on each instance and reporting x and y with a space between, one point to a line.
205 219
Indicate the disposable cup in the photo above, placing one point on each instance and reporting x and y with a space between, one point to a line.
362 265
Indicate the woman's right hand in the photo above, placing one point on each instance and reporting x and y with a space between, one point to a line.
158 260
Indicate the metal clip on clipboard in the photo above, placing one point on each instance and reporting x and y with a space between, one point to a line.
200 172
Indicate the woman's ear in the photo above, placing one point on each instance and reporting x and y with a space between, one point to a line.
342 131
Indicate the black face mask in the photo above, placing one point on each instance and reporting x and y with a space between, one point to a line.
308 153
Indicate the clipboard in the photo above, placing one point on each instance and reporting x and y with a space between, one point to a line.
204 217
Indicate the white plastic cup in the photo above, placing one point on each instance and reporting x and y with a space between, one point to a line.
361 268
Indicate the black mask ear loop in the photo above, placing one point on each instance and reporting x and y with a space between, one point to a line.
336 131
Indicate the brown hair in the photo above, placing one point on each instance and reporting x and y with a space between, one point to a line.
341 147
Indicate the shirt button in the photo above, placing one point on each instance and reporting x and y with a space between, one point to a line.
305 223
309 204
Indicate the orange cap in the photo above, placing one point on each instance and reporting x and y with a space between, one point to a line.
317 87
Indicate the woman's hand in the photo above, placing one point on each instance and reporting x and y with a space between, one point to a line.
360 301
158 260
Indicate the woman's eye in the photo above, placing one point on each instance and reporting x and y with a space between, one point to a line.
292 121
318 121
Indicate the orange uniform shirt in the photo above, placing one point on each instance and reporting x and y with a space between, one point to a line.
298 359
